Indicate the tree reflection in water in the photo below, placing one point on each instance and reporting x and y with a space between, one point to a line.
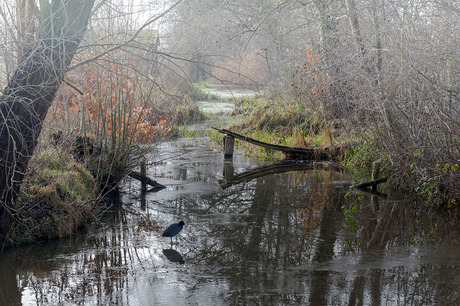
280 239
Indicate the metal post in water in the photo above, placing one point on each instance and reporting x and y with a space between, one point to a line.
229 142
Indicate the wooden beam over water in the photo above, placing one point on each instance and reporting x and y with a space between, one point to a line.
291 152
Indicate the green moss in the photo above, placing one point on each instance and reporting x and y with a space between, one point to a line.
57 178
57 197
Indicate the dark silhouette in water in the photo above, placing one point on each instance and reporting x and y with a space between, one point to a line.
173 256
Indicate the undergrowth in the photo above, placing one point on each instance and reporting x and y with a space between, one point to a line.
284 123
58 196
361 158
197 91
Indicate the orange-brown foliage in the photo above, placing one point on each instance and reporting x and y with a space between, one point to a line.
313 70
107 102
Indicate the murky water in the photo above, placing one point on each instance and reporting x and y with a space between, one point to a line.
289 238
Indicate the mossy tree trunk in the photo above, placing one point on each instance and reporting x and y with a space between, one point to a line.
31 90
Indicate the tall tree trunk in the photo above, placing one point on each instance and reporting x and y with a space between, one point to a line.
26 14
328 33
331 56
373 69
31 91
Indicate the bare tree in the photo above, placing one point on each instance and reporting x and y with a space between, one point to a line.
237 40
31 90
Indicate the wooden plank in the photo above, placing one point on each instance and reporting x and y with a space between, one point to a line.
143 167
265 144
292 152
228 147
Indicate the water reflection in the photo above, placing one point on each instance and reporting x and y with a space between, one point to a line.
173 256
287 238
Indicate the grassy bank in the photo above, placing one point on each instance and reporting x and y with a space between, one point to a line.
73 175
285 121
58 196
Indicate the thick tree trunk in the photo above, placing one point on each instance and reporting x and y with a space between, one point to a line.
31 91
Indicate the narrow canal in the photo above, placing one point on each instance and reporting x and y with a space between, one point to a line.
292 238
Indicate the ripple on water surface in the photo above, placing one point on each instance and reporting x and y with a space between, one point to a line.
288 238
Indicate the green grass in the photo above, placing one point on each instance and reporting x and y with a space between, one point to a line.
283 123
198 92
57 197
202 85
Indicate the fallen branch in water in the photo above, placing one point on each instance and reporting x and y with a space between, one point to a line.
146 180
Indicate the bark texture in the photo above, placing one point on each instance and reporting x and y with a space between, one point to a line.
31 90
